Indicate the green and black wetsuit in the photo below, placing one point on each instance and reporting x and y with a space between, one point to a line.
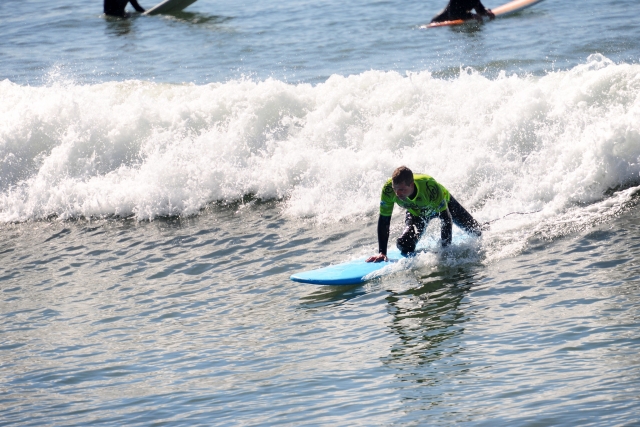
429 200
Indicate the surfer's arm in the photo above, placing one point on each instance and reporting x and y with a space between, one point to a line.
482 11
384 223
136 6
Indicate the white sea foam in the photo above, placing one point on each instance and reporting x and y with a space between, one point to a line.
514 143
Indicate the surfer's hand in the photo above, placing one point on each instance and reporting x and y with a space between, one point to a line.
491 15
378 258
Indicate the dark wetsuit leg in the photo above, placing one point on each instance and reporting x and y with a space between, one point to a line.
462 218
446 229
414 227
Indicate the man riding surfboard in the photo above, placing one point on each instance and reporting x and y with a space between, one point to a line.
425 199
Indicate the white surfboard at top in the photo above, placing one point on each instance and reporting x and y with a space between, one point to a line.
513 6
168 6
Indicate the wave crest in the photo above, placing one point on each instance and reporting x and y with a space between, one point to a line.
148 150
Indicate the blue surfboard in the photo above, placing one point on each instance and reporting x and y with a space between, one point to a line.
359 271
347 273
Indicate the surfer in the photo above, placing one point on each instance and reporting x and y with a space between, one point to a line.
425 199
461 9
116 7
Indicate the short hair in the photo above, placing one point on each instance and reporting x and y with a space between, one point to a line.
402 175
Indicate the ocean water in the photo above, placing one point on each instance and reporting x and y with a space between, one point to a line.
162 177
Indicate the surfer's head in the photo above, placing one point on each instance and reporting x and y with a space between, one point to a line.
402 182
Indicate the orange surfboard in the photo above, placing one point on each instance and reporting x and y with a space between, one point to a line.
512 6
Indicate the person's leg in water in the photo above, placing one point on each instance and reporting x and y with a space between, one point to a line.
446 228
414 227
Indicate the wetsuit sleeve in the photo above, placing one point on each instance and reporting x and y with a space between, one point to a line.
384 223
136 6
387 200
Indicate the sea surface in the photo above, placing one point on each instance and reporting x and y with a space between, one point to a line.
161 177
